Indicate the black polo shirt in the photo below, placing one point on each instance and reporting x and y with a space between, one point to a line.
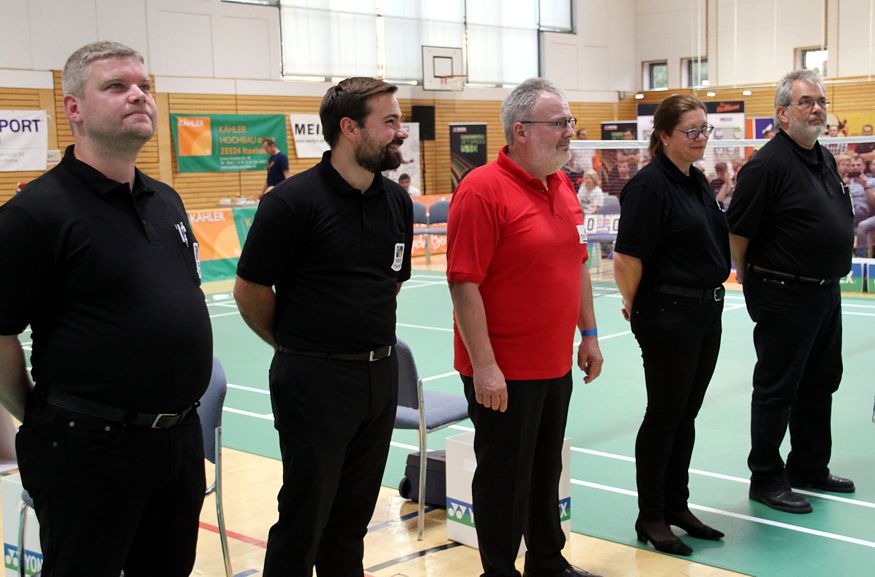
671 222
108 282
791 203
334 255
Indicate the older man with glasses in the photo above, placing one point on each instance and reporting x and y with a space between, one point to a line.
792 235
516 230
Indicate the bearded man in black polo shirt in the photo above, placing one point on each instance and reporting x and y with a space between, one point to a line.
326 255
99 260
792 235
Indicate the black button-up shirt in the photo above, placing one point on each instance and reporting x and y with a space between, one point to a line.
106 277
334 254
673 224
792 205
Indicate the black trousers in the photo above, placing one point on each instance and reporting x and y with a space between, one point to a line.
111 497
516 483
798 340
335 421
680 341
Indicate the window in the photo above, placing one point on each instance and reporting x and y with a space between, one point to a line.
324 39
812 58
695 72
656 75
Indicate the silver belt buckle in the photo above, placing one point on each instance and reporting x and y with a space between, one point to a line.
717 294
160 417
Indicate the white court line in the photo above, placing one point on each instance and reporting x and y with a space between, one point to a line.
853 314
250 389
223 305
264 417
440 376
702 473
424 327
815 532
406 286
225 314
404 446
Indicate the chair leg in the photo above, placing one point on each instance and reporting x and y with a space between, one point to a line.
427 248
220 513
423 461
22 529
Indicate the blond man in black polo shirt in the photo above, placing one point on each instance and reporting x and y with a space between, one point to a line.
99 260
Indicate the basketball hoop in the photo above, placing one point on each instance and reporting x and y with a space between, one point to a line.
452 82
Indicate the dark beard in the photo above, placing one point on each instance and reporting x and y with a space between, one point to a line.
380 160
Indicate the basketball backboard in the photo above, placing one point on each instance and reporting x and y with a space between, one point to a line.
442 69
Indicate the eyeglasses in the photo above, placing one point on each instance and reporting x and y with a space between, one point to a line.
806 103
693 133
558 124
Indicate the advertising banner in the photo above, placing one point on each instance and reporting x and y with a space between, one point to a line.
24 140
617 129
645 120
225 142
307 132
467 149
410 157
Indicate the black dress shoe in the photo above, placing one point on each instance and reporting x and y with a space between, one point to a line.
830 483
781 499
674 546
569 571
694 527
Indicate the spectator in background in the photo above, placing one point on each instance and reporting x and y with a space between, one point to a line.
618 179
404 181
721 177
866 150
631 156
580 161
836 148
277 165
591 195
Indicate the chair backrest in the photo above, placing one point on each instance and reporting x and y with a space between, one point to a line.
611 205
438 212
7 441
210 409
407 376
420 214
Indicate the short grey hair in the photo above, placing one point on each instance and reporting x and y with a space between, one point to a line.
784 93
518 105
78 66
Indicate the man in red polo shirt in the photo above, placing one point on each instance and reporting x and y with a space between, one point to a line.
516 266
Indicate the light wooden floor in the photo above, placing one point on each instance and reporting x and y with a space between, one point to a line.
391 548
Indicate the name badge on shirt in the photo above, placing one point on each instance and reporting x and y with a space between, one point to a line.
399 256
581 231
197 258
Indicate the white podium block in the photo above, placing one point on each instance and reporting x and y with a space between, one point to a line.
11 488
461 464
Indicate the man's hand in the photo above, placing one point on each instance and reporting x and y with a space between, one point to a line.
490 388
589 358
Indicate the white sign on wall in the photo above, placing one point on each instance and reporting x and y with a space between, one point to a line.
24 140
307 133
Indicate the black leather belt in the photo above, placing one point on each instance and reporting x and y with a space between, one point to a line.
713 294
115 414
369 356
790 277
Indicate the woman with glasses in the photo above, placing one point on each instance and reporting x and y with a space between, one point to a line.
670 260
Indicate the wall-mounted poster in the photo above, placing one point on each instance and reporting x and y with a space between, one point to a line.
225 142
467 149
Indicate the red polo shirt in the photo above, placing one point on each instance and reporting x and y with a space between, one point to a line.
524 245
